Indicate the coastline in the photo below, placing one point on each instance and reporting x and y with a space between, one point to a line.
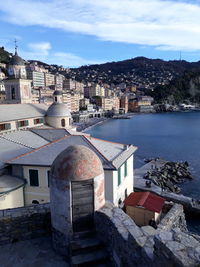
84 126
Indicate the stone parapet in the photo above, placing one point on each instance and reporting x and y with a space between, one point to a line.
123 238
174 218
24 223
130 245
176 248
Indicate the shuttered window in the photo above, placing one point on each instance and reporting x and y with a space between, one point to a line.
125 169
22 123
38 121
48 177
119 175
33 176
5 126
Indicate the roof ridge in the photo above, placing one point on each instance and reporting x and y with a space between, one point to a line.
39 135
16 142
85 137
34 150
143 198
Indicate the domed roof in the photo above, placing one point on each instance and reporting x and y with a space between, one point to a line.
16 60
58 110
76 163
57 92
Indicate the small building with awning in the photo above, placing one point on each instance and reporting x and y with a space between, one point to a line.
11 192
144 207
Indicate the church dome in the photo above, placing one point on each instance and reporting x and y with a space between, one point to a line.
16 60
58 110
76 163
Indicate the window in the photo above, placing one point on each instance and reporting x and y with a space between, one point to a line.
125 169
13 96
5 126
35 202
48 178
63 122
22 123
38 121
33 176
119 175
125 193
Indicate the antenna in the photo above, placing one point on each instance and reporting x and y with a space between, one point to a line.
180 55
16 46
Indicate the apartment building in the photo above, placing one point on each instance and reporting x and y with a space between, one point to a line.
49 79
37 79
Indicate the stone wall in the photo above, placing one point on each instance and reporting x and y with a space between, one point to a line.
123 238
130 245
176 248
24 223
175 218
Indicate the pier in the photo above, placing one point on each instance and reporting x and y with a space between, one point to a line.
190 205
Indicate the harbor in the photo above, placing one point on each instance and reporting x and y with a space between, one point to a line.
190 205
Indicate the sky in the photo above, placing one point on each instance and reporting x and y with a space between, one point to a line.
81 32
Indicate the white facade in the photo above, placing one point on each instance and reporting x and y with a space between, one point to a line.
114 192
39 193
21 124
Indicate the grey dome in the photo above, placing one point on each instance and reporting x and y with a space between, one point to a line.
16 60
57 92
58 110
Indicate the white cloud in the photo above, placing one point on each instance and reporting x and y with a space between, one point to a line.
41 48
70 60
168 25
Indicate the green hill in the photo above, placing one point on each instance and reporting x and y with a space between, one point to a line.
4 55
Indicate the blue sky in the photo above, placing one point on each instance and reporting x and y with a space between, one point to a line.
79 32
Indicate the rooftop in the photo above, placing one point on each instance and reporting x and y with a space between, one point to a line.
145 200
112 155
10 183
12 112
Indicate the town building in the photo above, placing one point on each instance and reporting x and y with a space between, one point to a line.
124 103
37 79
141 104
49 79
108 103
59 81
34 166
73 85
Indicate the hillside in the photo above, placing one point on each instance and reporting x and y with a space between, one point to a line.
4 55
140 71
183 89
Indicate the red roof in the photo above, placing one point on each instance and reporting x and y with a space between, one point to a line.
146 200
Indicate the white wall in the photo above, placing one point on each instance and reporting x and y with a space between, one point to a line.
113 192
13 124
39 193
126 182
56 122
14 199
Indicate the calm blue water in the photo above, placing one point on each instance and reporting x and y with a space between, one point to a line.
171 136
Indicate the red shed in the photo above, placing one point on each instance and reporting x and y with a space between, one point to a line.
143 207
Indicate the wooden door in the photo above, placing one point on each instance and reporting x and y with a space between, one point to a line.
82 205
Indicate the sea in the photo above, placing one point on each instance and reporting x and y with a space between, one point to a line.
171 136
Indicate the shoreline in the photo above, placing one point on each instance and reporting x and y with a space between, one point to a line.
84 126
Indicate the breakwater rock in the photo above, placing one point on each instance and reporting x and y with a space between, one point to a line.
169 175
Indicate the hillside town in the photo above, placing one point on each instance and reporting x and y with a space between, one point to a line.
84 100
70 199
